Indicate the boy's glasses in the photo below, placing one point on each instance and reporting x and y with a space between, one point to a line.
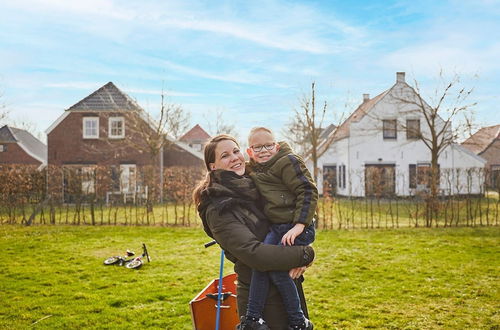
267 146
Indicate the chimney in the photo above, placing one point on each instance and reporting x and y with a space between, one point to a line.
400 77
366 97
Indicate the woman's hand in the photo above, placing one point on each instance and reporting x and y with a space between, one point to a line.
297 272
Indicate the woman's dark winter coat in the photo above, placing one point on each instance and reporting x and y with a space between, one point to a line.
231 215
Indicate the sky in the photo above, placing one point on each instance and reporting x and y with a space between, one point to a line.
252 61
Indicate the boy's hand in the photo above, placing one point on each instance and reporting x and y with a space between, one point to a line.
289 237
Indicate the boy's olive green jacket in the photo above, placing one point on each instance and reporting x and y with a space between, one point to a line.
287 187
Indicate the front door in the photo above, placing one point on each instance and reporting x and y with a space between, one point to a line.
127 178
380 180
329 180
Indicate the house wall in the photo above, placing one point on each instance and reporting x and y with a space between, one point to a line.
66 144
16 155
175 156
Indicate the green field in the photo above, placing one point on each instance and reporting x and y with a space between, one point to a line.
440 278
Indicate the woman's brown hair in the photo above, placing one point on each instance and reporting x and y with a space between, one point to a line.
209 157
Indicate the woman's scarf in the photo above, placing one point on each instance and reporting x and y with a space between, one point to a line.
229 190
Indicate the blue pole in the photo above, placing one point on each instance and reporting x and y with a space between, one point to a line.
219 294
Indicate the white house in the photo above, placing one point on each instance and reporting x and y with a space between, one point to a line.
376 152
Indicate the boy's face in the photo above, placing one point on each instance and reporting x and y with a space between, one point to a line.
262 146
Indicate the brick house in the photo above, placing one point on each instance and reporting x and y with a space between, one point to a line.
196 137
18 146
107 137
486 143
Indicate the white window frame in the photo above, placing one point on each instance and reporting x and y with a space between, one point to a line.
2 148
85 121
110 127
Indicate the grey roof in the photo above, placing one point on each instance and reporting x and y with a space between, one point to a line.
106 98
6 135
326 131
34 146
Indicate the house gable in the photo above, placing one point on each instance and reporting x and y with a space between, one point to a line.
22 147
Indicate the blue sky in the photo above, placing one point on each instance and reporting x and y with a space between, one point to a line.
251 60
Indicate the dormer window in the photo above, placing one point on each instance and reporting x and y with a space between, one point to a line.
389 128
90 127
116 128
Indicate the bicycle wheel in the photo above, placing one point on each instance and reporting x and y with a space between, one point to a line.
111 261
134 264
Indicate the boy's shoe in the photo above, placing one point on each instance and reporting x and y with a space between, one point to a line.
253 324
307 325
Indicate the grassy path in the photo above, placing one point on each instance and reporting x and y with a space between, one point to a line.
53 277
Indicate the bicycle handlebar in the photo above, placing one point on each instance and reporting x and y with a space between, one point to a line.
210 243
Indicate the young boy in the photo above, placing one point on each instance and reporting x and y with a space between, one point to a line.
290 198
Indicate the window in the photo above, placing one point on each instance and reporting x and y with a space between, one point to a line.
413 176
412 129
91 127
116 127
420 175
389 127
3 147
495 176
341 176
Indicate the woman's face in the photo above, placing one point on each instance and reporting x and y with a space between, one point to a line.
228 157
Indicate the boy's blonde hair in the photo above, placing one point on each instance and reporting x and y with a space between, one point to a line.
258 129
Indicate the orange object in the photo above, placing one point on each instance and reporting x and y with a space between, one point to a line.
204 305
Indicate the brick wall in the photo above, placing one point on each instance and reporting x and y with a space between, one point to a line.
175 156
66 144
492 154
16 155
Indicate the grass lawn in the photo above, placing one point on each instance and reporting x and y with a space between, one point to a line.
440 278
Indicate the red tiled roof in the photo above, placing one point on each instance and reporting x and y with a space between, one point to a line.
343 130
195 134
480 140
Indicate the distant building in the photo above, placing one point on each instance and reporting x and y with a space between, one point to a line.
377 152
486 143
196 137
108 129
18 146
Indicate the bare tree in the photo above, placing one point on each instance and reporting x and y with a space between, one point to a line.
218 125
304 128
3 111
449 105
153 134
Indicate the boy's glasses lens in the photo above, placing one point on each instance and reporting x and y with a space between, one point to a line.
267 146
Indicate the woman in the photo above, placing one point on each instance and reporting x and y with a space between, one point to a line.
228 203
